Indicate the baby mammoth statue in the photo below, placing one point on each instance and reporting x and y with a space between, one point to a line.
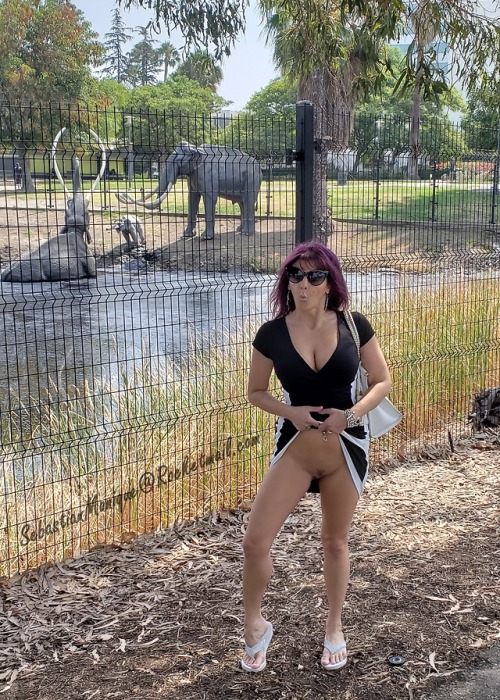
131 229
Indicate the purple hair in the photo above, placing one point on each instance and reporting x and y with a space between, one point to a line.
322 258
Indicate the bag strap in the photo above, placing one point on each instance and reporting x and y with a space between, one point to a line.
352 327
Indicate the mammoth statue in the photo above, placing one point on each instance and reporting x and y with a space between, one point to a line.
212 172
131 229
67 255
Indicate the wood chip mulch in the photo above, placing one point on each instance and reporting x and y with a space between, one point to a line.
161 616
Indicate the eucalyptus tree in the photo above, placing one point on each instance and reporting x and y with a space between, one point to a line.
169 56
424 25
471 39
383 120
47 49
115 61
322 27
472 35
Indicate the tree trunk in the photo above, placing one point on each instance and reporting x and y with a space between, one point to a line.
21 154
357 160
413 159
321 215
414 141
331 95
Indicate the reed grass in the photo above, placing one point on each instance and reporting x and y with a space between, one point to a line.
169 441
161 443
443 345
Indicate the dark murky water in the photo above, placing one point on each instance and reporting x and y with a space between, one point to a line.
61 333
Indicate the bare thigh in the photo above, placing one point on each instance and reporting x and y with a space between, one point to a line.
338 502
282 488
307 457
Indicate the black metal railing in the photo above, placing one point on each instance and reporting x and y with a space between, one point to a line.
123 395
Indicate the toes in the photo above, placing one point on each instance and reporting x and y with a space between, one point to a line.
253 661
259 658
328 658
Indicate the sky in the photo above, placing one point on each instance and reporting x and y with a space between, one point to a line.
249 68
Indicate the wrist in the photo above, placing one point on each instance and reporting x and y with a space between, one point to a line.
352 419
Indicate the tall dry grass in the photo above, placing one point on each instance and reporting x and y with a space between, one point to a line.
167 441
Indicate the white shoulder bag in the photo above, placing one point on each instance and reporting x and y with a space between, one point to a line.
383 417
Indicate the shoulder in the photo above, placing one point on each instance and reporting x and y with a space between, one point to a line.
266 336
363 326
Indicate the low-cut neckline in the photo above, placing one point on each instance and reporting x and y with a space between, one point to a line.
316 371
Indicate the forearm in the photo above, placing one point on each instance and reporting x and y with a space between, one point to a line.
374 395
267 402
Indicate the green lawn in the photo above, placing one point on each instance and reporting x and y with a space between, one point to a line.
412 201
388 201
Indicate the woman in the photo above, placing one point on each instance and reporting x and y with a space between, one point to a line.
18 176
321 442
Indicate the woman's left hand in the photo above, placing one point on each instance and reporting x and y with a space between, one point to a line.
336 421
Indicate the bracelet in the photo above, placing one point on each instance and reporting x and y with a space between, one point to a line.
352 420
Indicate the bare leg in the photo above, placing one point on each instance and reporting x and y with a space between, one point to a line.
338 501
282 488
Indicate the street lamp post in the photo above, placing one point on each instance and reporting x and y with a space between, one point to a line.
377 181
130 159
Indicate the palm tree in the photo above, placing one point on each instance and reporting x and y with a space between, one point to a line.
425 26
169 57
203 68
331 59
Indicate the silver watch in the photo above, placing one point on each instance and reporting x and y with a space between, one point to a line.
352 420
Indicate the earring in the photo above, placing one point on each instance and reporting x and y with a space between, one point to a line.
327 299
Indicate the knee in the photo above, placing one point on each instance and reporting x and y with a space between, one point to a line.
254 547
335 545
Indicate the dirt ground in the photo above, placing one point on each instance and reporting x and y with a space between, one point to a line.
419 246
161 615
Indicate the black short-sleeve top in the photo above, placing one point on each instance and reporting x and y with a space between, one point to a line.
330 386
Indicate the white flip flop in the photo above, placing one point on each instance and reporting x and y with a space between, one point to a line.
262 645
333 649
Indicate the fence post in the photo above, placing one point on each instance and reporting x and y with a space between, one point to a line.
304 158
495 179
377 180
50 205
434 191
494 192
269 179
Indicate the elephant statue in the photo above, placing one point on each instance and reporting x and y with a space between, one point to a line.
131 229
67 255
211 172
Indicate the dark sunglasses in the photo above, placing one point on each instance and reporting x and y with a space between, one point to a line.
314 277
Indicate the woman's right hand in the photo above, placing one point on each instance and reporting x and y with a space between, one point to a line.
301 417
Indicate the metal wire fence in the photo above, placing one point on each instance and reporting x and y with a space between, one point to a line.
126 331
